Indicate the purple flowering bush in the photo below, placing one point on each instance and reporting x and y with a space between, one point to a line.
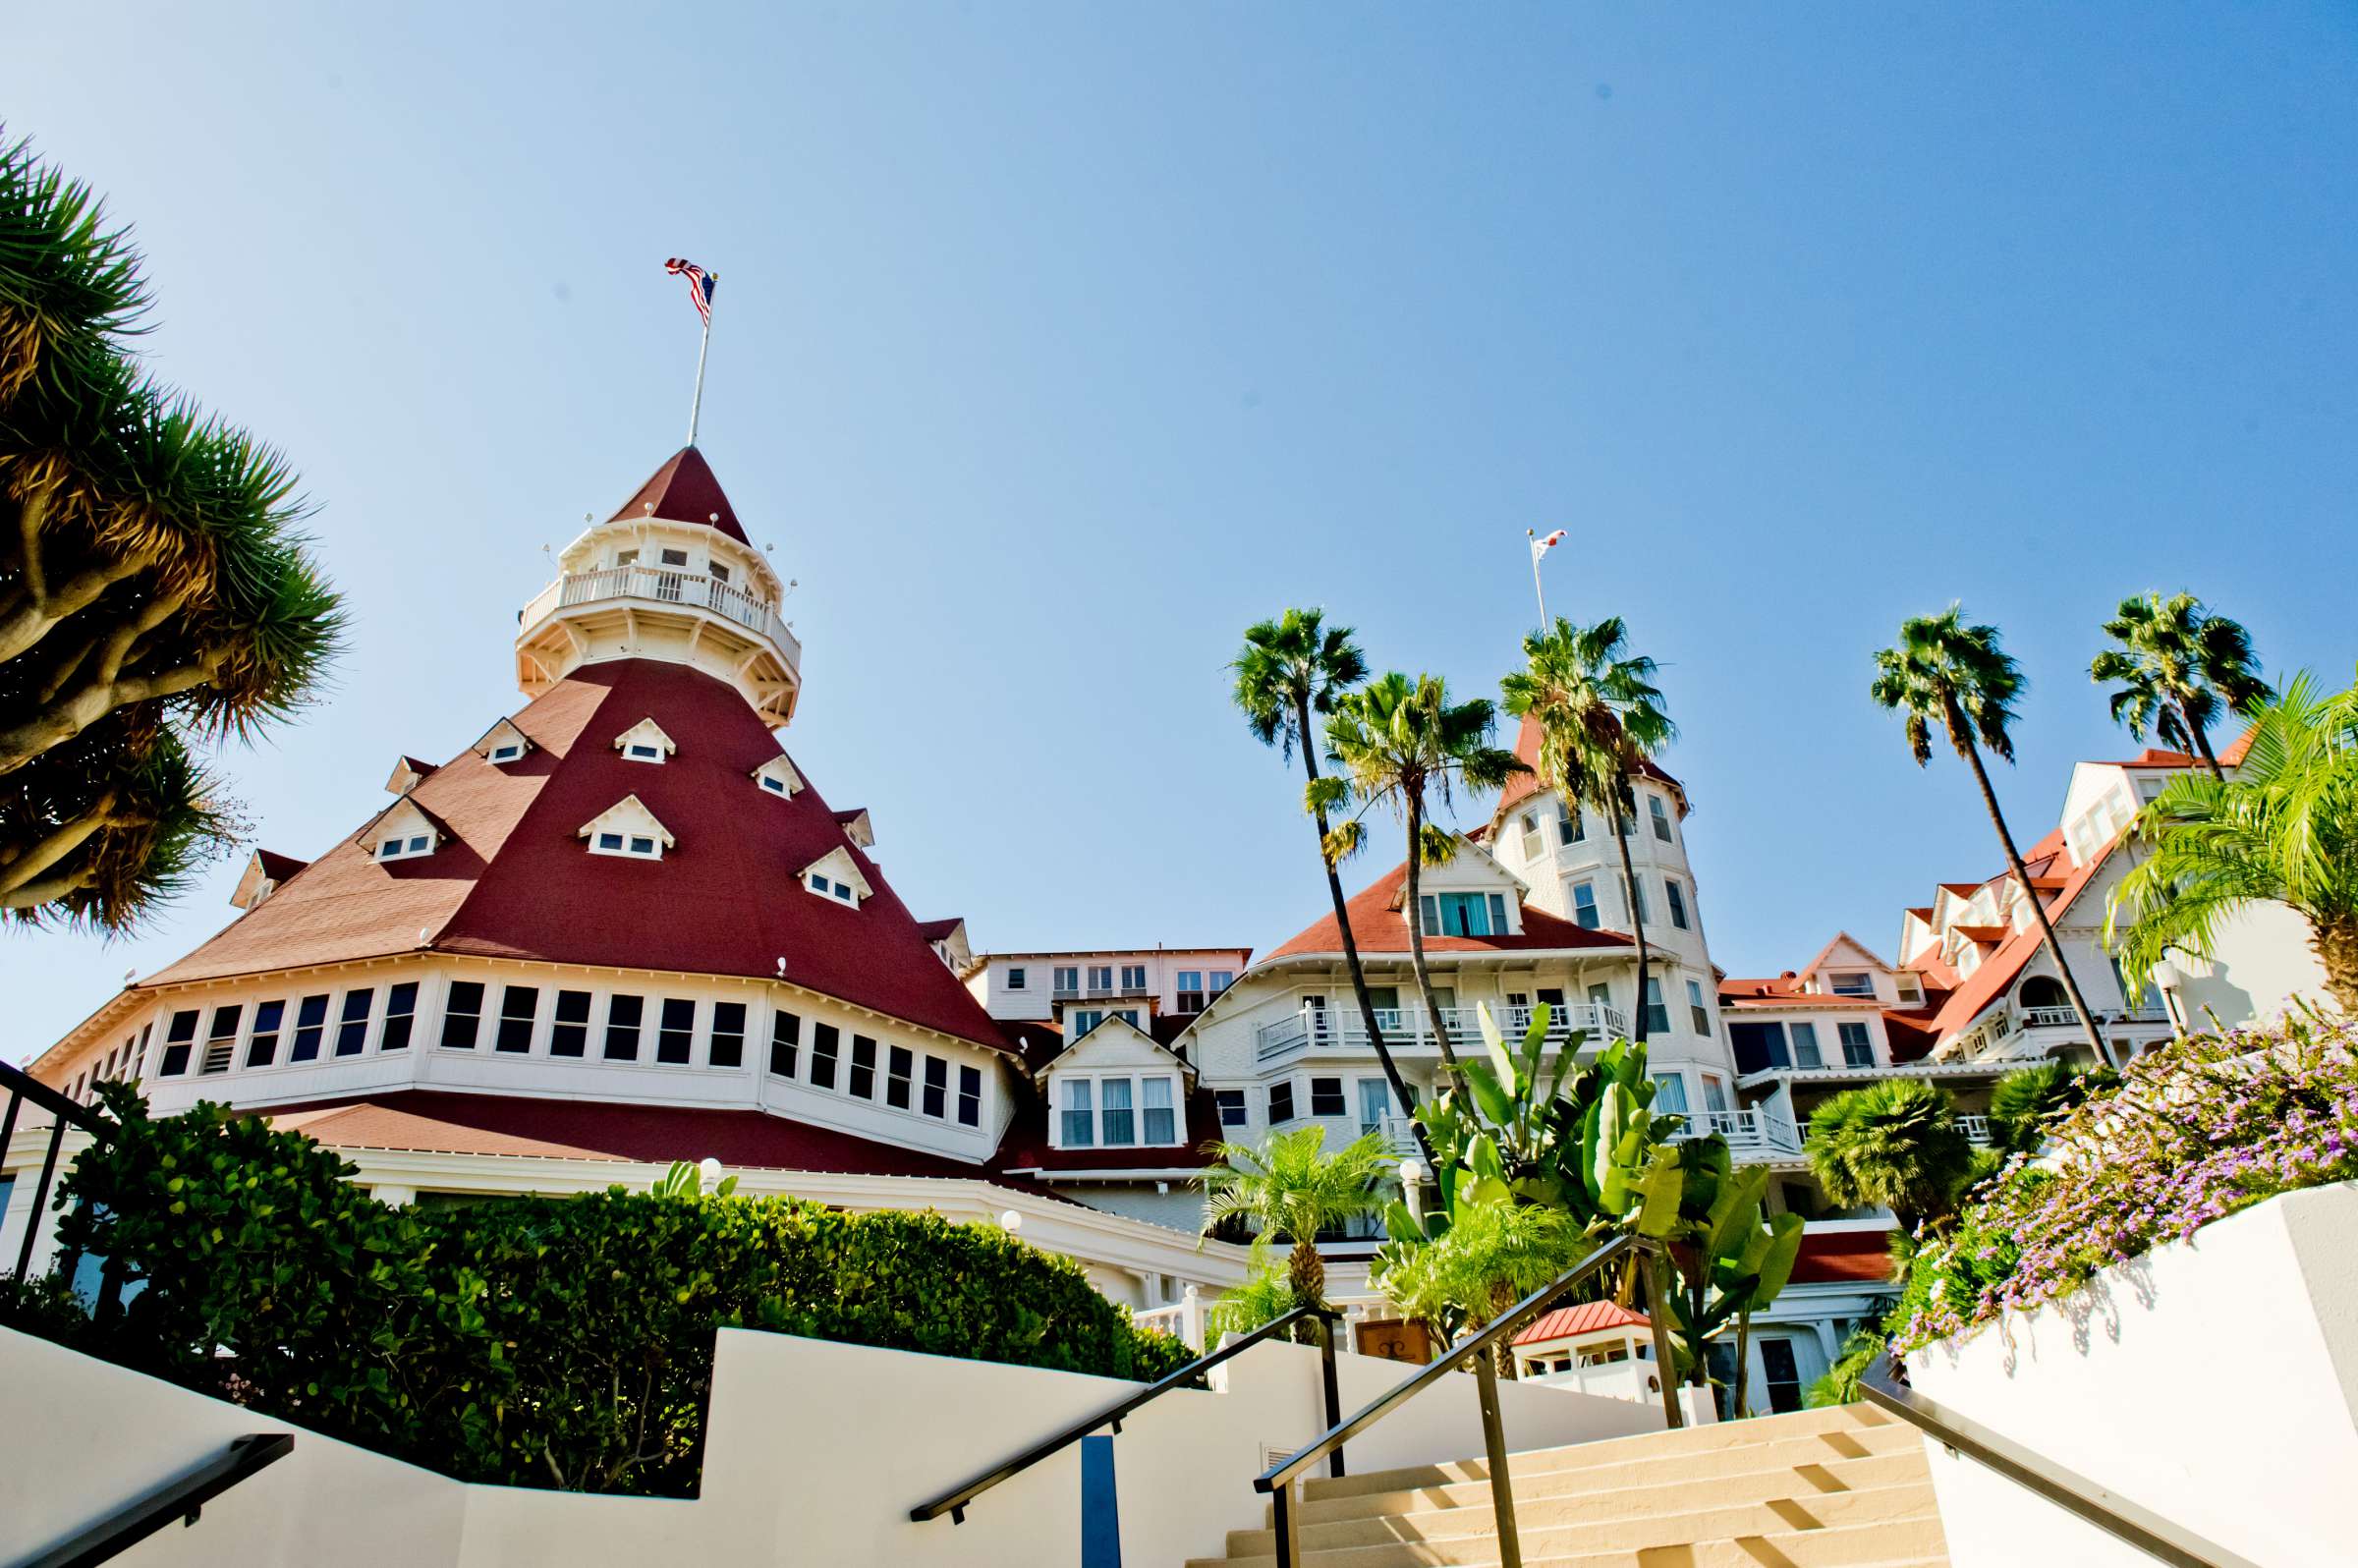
2193 1133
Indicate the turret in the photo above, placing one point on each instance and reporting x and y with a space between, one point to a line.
670 576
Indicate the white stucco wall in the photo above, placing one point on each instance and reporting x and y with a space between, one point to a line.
2213 1381
2263 963
815 1452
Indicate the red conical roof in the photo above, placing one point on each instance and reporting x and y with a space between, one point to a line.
685 491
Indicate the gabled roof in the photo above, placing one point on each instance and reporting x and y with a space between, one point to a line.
1587 1317
628 813
857 827
1997 971
684 490
514 883
943 929
1523 786
408 773
1025 1147
409 801
1379 926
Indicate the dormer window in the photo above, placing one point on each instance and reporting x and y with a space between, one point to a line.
405 846
628 829
404 833
503 743
778 777
1463 913
507 752
644 741
836 878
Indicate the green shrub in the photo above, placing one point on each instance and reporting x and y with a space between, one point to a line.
531 1341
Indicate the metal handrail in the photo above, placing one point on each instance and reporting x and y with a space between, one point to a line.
183 1498
21 1086
1480 1347
2067 1489
953 1502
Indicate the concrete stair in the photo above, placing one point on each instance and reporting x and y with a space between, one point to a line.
1819 1489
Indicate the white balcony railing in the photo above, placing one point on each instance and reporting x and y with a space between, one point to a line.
1406 1028
658 587
1976 1130
1761 1132
1399 1134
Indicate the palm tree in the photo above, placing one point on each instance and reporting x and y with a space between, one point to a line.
1895 1144
1600 721
1291 669
1404 741
2029 1100
1291 1187
1491 1256
155 592
2177 665
1947 673
2285 828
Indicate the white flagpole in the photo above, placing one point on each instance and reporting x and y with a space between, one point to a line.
695 409
1538 592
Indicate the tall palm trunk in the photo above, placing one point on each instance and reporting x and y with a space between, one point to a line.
2202 743
1416 931
1636 920
1342 922
1306 1272
2335 941
2046 930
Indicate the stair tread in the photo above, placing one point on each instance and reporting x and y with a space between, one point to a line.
1845 1546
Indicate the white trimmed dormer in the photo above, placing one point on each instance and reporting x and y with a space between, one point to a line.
778 777
503 743
263 873
628 829
835 876
644 741
404 832
857 827
408 773
1115 1089
1473 895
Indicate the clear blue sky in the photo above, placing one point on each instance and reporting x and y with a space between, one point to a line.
1058 342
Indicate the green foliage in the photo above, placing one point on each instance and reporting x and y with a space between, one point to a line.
1291 1187
1491 1256
155 591
1733 1258
2285 828
2175 666
1838 1384
1947 674
1262 1299
1895 1144
531 1341
2027 1101
1292 667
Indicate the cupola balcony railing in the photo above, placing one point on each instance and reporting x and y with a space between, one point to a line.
658 586
1761 1133
1345 1028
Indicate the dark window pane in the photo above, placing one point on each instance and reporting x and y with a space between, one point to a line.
1231 1103
401 1009
937 1085
970 1096
352 1025
785 1034
678 1031
1281 1103
463 1015
863 1067
1326 1097
177 1041
267 1018
569 1037
900 1064
823 1046
310 1021
623 1016
518 1005
728 1035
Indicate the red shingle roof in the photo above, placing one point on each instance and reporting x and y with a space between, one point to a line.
684 490
1523 786
1587 1317
1997 971
1843 1257
515 880
1380 928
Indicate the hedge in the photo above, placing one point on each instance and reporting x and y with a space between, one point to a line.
535 1341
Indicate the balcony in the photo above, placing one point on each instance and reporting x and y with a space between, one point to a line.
1976 1130
1399 1134
1759 1134
1406 1029
2021 1019
656 588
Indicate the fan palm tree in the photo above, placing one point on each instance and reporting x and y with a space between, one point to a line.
1291 1187
1894 1144
2030 1100
1946 673
1600 721
1491 1256
2285 828
1291 670
2176 666
1405 744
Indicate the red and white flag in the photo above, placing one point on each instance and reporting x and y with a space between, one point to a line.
1541 547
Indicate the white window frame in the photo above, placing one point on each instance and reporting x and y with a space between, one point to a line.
1137 1078
506 751
625 851
406 845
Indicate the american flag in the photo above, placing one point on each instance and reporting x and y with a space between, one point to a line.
1539 547
700 285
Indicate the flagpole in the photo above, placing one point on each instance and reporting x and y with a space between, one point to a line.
1537 591
695 407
